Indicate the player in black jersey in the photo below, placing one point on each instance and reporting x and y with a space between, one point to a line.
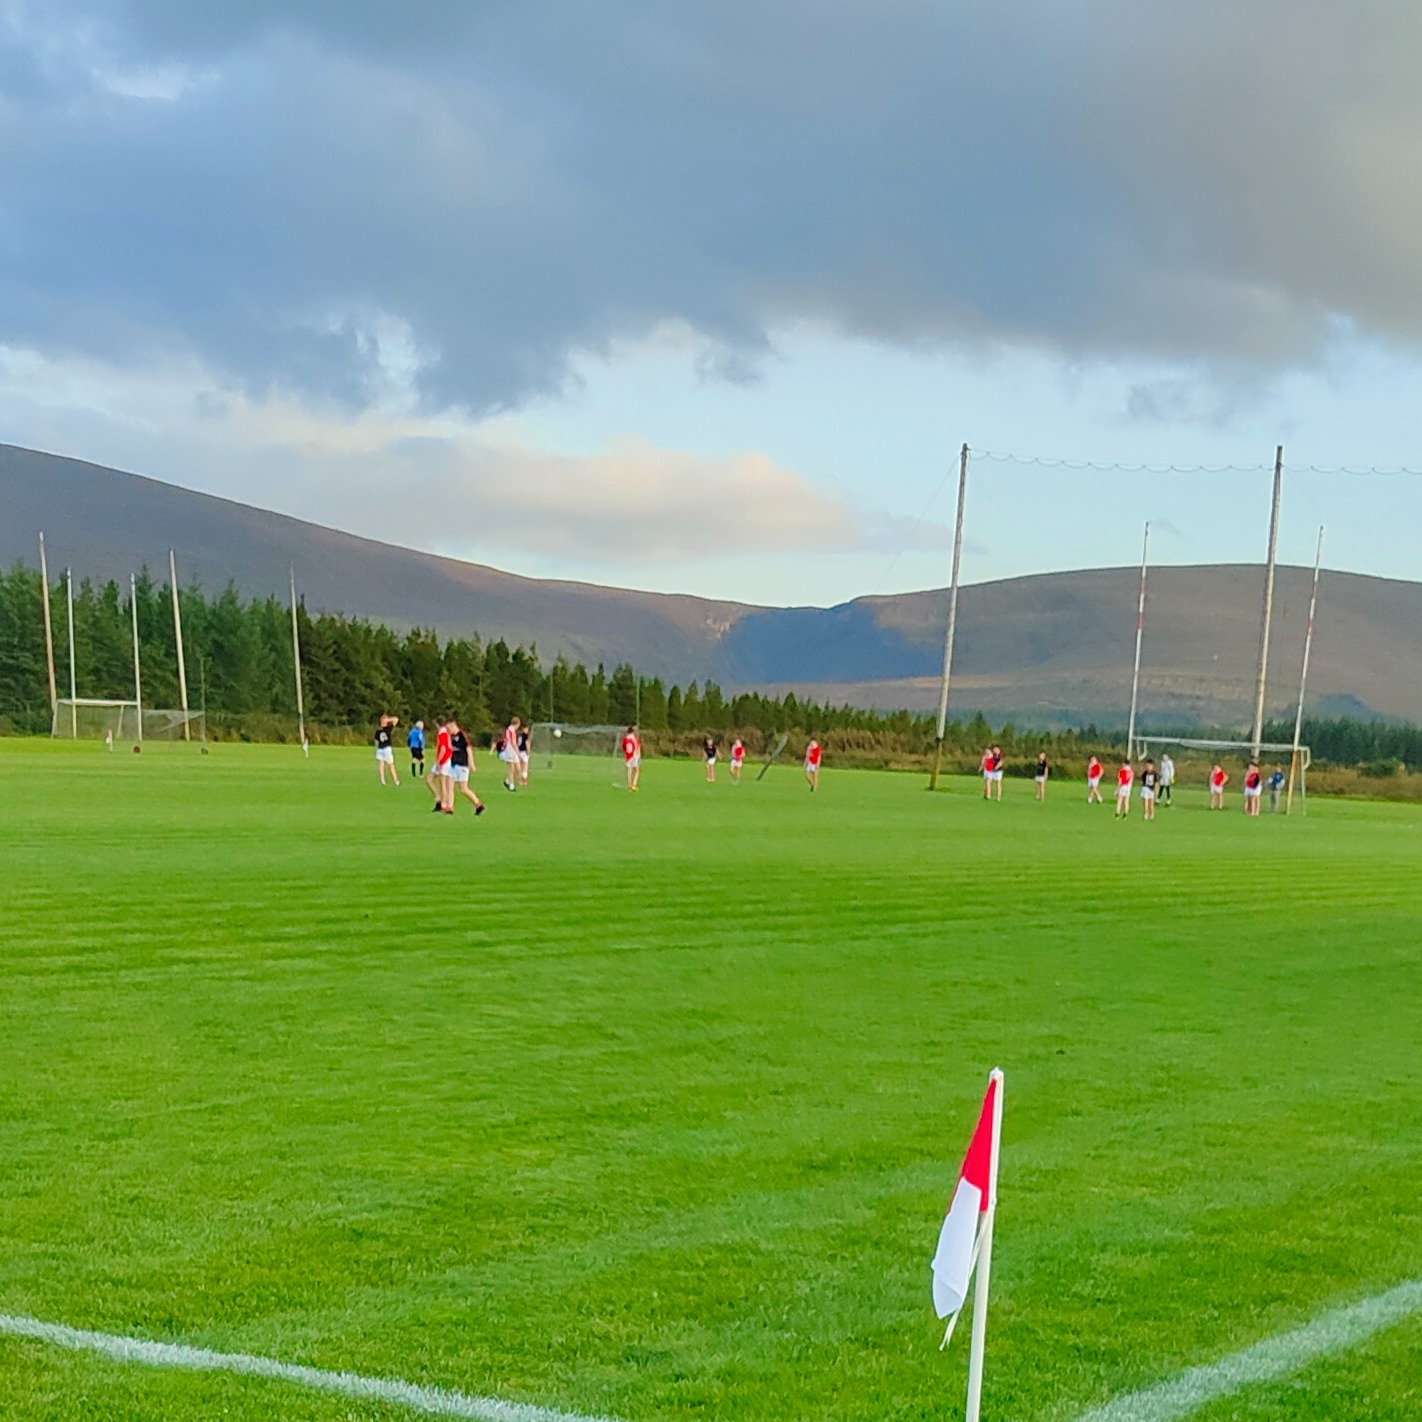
385 748
708 750
1150 782
461 762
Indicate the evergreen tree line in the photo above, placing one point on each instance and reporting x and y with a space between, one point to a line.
240 670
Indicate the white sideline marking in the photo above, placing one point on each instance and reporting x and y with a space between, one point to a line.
1274 1358
436 1401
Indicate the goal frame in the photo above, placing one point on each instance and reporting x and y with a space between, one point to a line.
1282 749
67 708
544 736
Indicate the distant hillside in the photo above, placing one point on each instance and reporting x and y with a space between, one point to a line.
1051 648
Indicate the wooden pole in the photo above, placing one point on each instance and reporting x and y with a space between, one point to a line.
137 674
48 637
1268 601
296 662
1140 628
1303 676
178 638
952 621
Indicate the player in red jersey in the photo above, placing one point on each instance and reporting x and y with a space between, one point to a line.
738 757
440 784
1124 776
1253 785
1093 782
813 754
987 773
997 771
632 756
508 753
1218 781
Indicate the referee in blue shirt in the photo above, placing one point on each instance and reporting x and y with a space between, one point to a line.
416 741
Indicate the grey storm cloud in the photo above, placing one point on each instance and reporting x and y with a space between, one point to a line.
270 186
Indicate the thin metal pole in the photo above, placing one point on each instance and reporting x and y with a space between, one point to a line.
952 621
178 638
1268 600
296 661
48 636
73 678
1303 676
137 674
978 1349
1140 628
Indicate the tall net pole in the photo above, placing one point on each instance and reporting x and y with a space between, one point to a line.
1140 629
137 673
1268 617
952 622
73 675
48 634
1303 676
296 662
178 638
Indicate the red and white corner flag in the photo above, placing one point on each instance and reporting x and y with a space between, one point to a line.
965 1241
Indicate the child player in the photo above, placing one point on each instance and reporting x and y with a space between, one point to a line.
416 742
1124 776
813 754
461 762
441 786
522 744
508 753
997 771
1093 781
1167 779
385 748
632 756
708 750
1218 781
987 773
1041 776
738 758
1150 780
1253 784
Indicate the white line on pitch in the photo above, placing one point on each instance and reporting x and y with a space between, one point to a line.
436 1401
1274 1358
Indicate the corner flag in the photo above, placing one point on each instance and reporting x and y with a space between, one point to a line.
965 1241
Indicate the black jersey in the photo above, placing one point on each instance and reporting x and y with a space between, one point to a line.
382 738
459 749
710 750
523 742
1149 779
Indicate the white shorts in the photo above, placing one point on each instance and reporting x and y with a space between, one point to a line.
509 757
1147 793
810 767
1093 782
737 761
997 775
459 774
1123 792
442 770
523 757
1040 779
1251 792
633 762
386 754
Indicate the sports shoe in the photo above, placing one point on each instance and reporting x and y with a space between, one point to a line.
478 810
438 809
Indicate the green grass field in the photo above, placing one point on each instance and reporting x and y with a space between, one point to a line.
650 1106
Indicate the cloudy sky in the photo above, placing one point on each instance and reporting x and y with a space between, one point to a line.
705 297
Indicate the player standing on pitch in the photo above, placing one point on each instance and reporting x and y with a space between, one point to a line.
1041 776
632 757
461 763
385 748
1167 779
416 742
997 771
813 755
1093 781
1124 776
738 758
508 753
708 750
1218 781
1253 784
1149 780
438 780
987 773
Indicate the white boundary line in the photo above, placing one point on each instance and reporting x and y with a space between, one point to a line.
1274 1358
433 1401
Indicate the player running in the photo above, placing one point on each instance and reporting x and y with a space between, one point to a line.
1040 777
440 784
461 763
738 758
385 748
508 753
632 757
1253 784
416 742
522 744
708 750
813 755
1124 776
1093 782
1218 781
997 771
1150 779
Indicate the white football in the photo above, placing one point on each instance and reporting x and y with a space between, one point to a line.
558 733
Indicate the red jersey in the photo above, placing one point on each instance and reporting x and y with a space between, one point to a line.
1124 776
1093 770
812 756
1251 781
444 748
738 751
1217 779
630 747
987 760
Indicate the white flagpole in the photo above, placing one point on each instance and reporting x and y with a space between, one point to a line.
984 1269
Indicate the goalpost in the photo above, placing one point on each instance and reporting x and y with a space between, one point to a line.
553 739
1246 750
99 718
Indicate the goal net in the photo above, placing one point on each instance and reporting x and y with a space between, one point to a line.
97 720
548 741
1280 752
